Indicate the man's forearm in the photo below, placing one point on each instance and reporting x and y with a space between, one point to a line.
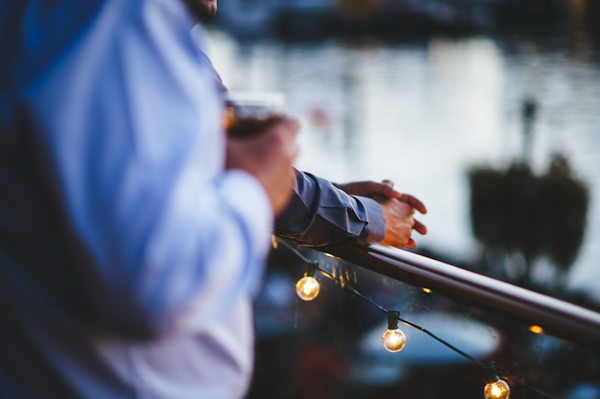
320 214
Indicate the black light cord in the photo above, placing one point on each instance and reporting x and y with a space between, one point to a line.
525 385
488 366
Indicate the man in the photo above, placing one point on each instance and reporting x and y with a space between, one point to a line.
130 249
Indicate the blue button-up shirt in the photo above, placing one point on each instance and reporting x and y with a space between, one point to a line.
128 256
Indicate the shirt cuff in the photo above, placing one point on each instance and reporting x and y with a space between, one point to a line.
375 228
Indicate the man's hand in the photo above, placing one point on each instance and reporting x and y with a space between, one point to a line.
399 222
268 157
370 188
398 210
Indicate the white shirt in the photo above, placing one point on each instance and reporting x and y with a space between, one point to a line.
118 222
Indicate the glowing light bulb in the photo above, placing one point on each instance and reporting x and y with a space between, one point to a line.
536 329
497 390
307 288
393 340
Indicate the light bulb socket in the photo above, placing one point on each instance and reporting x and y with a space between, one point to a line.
311 268
393 316
490 372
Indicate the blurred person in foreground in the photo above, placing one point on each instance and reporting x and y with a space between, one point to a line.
132 236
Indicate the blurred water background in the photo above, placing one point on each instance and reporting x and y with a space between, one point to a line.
423 92
422 105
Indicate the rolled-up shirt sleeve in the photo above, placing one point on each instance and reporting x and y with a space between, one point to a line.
321 214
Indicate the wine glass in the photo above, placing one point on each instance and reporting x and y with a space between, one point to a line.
248 113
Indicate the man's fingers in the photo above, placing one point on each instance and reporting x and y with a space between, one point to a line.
385 189
285 132
389 189
411 243
289 126
415 203
419 227
370 189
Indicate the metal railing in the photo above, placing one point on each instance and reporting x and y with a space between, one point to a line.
555 316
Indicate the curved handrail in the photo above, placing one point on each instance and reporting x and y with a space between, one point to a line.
555 316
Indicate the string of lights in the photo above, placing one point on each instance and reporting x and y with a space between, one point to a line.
394 339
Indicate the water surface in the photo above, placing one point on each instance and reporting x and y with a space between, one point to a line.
423 113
